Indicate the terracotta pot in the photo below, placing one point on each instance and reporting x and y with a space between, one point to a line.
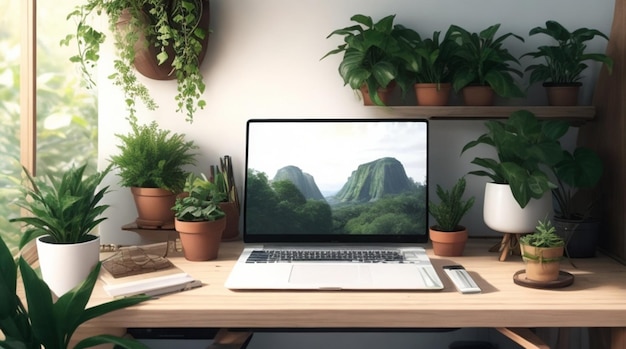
200 240
432 94
231 231
383 93
448 243
154 207
538 270
63 266
145 55
478 95
503 214
562 94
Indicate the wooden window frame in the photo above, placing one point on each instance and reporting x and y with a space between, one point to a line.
28 84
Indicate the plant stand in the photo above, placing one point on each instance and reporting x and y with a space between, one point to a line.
507 246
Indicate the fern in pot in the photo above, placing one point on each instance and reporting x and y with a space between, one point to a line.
171 35
448 236
151 163
63 213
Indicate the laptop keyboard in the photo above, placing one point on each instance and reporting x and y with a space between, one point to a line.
363 256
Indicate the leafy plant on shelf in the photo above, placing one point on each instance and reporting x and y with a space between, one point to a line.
434 55
481 59
42 323
451 208
565 61
200 201
375 54
172 26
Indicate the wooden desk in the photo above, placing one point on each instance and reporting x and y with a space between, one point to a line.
596 299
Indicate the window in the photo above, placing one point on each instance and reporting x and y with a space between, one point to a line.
66 113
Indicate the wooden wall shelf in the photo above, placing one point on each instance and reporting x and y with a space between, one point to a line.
576 113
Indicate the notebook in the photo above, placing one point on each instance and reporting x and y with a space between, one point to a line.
334 204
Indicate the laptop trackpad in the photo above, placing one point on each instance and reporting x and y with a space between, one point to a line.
329 275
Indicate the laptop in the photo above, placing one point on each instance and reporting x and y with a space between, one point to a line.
335 204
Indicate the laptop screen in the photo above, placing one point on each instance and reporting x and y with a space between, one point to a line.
336 180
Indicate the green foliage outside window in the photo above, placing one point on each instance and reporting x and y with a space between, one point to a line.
67 118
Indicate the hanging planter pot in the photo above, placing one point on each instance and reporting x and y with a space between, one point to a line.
64 265
146 51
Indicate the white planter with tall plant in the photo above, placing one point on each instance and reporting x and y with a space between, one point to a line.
63 212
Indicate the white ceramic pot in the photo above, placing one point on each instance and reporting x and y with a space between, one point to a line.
503 214
63 266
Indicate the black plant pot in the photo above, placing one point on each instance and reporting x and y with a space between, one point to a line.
581 236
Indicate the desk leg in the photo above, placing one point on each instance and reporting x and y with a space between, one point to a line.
524 337
225 339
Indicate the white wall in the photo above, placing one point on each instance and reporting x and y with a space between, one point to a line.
263 61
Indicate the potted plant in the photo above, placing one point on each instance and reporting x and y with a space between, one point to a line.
171 33
433 76
199 219
577 171
564 62
519 192
63 213
447 236
481 63
42 323
542 252
151 162
228 203
375 57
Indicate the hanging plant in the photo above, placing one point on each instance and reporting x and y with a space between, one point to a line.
175 31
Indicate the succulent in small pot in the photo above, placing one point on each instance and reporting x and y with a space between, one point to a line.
542 251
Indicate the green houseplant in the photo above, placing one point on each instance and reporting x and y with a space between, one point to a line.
63 213
564 62
173 33
480 59
375 55
42 323
519 192
434 72
151 162
542 251
578 171
199 219
447 236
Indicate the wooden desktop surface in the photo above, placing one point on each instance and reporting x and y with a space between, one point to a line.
596 299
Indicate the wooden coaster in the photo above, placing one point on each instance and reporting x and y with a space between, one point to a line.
565 279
